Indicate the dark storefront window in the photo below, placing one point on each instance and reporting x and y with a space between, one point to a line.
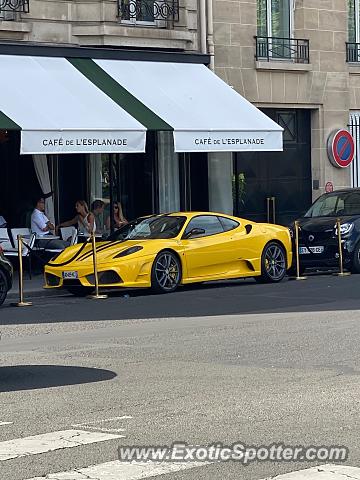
194 189
18 183
276 184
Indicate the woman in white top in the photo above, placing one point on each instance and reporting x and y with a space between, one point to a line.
84 219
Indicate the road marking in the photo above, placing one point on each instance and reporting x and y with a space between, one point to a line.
47 442
321 472
5 423
92 425
120 470
103 429
112 419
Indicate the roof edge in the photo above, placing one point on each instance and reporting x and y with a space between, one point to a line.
41 50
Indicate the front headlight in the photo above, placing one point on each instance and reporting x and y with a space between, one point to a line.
345 228
129 251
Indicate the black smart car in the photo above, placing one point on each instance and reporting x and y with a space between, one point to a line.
6 277
318 236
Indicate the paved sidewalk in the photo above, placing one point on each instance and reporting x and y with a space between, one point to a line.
33 287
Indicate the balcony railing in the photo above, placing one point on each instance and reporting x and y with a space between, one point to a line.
20 6
352 52
148 11
275 48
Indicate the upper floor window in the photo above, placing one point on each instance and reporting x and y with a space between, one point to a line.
159 13
274 18
354 21
11 9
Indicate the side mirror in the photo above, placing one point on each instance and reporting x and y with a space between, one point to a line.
194 232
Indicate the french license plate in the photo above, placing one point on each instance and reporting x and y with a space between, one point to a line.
67 275
306 250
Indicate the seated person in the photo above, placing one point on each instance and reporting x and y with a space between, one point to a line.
118 217
43 228
84 220
97 209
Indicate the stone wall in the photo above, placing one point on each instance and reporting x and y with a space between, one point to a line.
328 85
96 22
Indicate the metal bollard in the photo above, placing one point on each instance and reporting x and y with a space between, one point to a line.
21 302
341 263
96 296
273 199
298 277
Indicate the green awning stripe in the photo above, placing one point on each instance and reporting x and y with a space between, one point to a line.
7 124
119 94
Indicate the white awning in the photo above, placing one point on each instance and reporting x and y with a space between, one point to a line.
60 111
206 114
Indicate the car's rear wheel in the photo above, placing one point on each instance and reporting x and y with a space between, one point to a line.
79 291
3 287
166 272
273 263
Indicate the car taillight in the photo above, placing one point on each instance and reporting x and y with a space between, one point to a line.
1 249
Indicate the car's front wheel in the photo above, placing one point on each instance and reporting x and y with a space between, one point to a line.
355 264
273 263
3 287
166 272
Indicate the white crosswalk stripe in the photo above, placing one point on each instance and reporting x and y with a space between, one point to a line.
136 471
321 472
119 470
47 442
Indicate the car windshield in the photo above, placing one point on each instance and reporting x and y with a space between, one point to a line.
335 204
157 226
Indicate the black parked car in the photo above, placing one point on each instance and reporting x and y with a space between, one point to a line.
318 236
6 277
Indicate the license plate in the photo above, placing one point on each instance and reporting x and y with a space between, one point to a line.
67 275
306 250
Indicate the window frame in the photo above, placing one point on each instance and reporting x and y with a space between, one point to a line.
204 235
356 20
269 15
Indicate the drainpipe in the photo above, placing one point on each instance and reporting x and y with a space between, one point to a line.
210 33
202 14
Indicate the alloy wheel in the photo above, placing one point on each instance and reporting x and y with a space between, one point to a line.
167 271
275 263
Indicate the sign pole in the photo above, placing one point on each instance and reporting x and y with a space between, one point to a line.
21 302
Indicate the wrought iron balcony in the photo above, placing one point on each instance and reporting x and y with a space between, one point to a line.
148 11
352 52
275 48
21 6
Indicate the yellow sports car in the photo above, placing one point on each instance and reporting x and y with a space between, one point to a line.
164 251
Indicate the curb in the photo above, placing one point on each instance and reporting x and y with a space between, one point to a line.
35 294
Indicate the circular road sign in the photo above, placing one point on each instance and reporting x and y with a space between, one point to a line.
329 187
340 147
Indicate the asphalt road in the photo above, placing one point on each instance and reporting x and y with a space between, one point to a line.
317 293
273 363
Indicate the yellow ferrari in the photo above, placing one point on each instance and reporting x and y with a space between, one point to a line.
165 251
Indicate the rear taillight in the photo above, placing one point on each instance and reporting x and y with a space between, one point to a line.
1 249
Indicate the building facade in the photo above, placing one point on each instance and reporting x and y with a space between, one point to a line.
298 60
155 181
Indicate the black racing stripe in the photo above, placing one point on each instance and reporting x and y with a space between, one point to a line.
100 249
